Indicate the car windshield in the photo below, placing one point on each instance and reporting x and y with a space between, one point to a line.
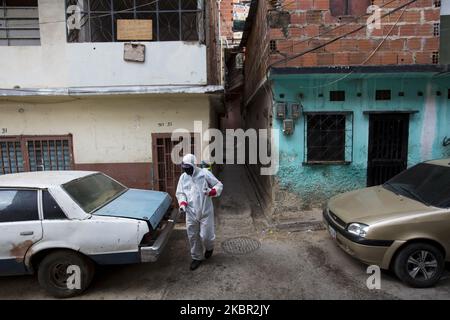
425 182
94 191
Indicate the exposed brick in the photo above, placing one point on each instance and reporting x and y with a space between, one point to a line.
389 58
325 59
405 58
305 4
321 4
298 18
314 17
414 44
423 58
431 44
356 58
409 42
310 60
341 59
432 15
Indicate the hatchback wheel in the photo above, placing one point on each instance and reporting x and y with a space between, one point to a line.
65 274
419 265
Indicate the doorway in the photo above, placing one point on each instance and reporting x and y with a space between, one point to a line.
165 173
388 146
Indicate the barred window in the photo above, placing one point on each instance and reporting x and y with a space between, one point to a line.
329 137
35 153
19 23
169 20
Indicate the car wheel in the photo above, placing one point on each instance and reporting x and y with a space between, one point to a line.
65 274
419 265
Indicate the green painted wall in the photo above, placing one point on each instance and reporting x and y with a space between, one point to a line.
428 127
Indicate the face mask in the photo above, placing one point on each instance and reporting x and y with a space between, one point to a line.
188 170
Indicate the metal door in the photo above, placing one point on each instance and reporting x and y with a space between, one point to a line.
388 146
20 228
165 172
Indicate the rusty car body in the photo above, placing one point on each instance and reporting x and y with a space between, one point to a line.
52 220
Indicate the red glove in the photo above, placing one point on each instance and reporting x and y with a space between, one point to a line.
212 193
183 205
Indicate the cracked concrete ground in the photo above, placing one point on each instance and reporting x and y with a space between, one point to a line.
288 265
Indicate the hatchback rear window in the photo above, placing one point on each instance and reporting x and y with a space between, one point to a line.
94 191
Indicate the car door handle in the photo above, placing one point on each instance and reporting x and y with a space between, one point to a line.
27 233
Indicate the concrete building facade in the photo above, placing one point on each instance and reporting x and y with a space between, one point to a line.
78 102
354 105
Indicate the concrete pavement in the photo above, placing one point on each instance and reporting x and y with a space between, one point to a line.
287 265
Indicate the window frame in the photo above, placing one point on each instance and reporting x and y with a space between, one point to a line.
24 139
44 218
38 203
348 136
4 7
156 22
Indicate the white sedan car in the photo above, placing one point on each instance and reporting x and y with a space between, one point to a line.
60 224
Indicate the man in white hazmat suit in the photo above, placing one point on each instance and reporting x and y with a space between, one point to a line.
195 189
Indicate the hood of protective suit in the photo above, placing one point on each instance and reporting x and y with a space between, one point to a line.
190 159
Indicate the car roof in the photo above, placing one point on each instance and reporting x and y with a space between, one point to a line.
440 162
41 179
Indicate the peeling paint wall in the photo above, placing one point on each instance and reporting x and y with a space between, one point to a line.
301 187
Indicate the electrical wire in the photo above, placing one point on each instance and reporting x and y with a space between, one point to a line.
339 37
362 63
97 16
333 29
336 28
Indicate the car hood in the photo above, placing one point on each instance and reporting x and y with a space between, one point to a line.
138 204
374 204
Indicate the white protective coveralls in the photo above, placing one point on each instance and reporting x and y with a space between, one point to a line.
194 192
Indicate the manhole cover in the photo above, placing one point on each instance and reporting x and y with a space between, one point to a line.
241 245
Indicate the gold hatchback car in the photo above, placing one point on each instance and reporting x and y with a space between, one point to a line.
402 225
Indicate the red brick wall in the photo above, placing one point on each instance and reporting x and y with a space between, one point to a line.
226 18
411 40
257 51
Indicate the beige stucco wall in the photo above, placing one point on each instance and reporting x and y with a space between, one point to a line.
114 129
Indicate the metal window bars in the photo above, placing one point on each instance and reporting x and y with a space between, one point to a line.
19 23
328 137
173 20
35 153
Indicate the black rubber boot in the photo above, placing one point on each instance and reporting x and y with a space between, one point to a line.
195 264
208 253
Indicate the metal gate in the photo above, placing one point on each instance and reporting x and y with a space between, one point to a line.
388 146
165 172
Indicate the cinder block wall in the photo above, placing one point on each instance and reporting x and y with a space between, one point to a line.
411 37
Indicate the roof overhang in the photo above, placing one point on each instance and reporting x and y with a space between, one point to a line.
106 91
363 71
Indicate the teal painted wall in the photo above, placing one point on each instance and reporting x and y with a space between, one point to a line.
428 127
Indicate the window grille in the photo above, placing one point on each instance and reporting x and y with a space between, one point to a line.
328 137
19 23
96 20
35 153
